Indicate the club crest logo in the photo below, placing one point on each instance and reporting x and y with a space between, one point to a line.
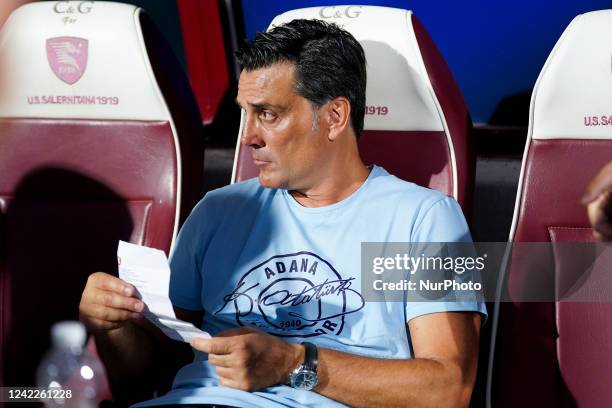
293 295
67 57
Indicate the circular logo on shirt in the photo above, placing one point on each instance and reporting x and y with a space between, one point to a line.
293 295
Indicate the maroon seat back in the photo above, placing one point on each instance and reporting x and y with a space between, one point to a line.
100 140
417 125
551 352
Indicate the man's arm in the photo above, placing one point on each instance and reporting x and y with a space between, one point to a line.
442 372
129 352
109 309
128 344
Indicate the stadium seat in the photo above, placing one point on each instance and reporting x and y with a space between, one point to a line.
549 352
101 140
417 125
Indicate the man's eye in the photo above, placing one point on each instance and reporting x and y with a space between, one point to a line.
267 116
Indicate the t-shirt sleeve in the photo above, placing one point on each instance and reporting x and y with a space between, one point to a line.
185 261
443 222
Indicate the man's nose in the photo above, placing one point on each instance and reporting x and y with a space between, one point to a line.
251 133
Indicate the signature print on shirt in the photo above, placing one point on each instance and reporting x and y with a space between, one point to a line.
293 295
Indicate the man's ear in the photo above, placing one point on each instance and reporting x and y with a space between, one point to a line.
339 114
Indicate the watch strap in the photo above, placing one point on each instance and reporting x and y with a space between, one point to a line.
310 356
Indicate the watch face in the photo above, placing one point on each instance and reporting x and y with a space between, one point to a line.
305 380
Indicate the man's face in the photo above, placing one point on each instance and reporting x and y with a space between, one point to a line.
287 138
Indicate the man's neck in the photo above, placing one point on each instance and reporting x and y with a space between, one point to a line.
344 179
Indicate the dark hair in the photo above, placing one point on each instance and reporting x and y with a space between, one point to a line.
329 62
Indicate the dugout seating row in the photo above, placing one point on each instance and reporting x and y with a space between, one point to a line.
102 139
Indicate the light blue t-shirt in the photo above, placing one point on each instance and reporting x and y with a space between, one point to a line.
253 256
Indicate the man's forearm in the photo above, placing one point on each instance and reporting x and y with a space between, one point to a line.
442 373
128 355
367 382
127 352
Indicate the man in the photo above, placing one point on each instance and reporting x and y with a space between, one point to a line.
268 264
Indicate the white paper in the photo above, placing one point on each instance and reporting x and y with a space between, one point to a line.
148 270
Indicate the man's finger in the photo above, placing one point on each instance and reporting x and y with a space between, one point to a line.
603 232
111 283
117 301
215 345
601 182
225 372
600 237
221 360
594 193
231 378
107 314
228 382
601 222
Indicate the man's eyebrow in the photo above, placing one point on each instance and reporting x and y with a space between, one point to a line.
261 106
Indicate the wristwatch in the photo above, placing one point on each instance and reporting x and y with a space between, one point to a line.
305 376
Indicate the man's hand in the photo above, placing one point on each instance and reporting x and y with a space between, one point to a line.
598 199
131 355
250 360
108 302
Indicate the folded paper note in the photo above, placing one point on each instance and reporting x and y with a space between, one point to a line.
148 270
